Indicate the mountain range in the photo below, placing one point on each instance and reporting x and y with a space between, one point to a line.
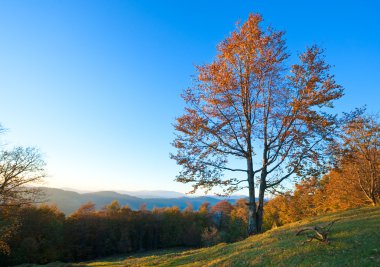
69 201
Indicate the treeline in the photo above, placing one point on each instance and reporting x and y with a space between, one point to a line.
354 181
43 234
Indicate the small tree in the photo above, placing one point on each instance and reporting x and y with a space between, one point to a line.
360 160
20 168
249 105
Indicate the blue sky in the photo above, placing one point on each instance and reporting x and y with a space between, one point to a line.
96 84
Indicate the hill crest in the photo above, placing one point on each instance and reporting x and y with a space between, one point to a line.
69 201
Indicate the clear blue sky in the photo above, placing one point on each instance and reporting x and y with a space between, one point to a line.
96 84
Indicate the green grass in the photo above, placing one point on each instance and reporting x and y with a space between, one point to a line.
354 241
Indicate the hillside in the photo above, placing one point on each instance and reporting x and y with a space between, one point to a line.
355 241
70 201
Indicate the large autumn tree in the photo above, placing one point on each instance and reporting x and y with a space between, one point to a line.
253 121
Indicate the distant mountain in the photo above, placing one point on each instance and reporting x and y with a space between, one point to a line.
75 190
69 201
153 194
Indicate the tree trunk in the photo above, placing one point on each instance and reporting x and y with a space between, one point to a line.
252 218
374 200
260 207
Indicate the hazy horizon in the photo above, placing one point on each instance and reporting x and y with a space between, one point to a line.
142 192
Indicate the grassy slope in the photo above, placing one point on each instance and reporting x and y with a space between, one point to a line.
355 241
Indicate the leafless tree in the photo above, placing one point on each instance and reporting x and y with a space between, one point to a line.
20 169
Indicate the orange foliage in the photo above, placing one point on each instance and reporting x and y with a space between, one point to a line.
342 192
248 104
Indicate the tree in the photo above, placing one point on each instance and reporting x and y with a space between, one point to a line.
360 160
221 213
8 226
238 222
204 208
278 211
222 207
250 121
20 168
240 210
306 198
341 192
40 236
